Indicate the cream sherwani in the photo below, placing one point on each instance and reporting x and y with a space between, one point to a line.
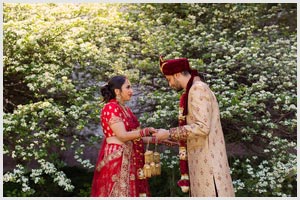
207 156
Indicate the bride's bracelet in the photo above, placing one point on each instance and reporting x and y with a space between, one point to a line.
144 132
153 140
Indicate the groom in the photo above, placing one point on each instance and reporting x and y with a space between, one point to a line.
200 130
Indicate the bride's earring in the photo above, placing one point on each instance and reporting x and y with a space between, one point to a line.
118 98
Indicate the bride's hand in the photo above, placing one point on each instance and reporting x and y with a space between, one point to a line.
161 134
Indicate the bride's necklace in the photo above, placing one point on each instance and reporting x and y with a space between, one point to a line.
124 110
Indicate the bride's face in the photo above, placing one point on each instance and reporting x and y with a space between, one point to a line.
126 91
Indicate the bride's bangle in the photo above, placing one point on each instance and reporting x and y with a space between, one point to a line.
144 132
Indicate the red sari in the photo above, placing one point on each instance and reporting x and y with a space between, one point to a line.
116 171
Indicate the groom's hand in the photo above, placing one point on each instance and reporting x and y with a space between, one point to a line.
170 143
162 134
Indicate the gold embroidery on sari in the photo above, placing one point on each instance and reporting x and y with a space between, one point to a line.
114 155
115 177
120 188
132 177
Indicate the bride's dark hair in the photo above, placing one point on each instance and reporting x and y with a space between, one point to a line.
108 90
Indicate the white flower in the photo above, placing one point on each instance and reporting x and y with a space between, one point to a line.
167 151
13 154
8 177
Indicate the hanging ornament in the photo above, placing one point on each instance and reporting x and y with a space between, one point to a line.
156 156
148 156
157 169
147 170
152 165
153 172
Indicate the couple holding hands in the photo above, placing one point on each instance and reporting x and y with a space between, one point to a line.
203 160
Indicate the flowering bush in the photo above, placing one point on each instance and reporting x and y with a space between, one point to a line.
247 55
57 55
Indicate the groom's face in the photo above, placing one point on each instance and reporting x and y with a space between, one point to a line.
174 83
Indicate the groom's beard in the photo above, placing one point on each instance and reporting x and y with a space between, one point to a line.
177 86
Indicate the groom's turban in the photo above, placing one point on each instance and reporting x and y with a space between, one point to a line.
170 67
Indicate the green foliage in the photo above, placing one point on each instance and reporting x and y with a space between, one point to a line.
80 178
56 55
